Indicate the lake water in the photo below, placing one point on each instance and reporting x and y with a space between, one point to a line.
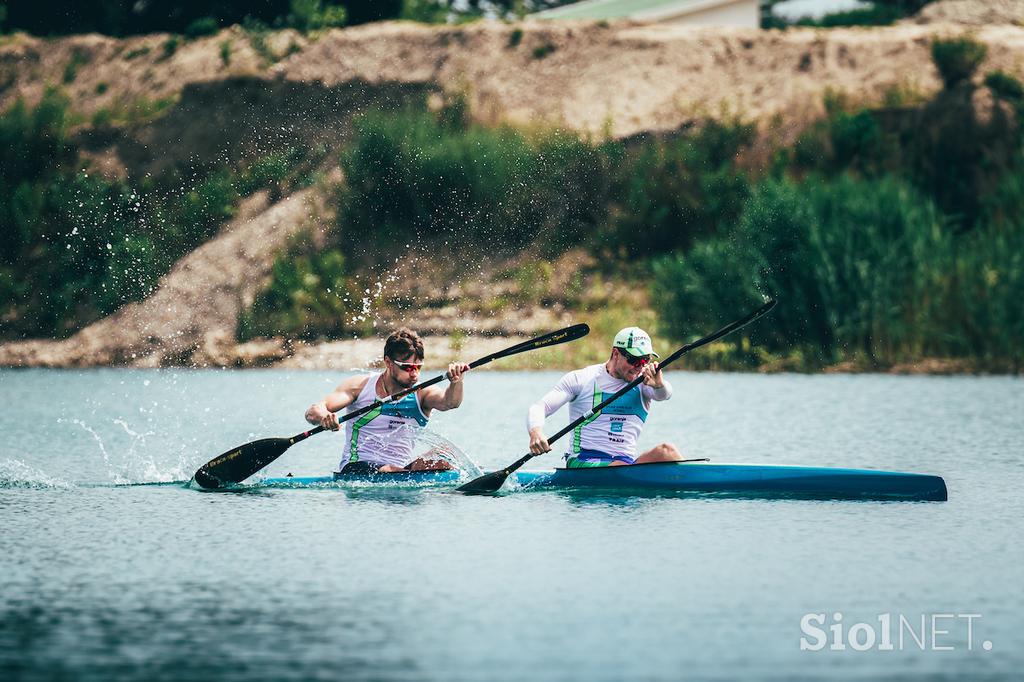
102 578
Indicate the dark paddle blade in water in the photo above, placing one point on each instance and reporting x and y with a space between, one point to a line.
486 484
240 463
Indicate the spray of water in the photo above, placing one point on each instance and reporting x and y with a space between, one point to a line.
16 474
423 443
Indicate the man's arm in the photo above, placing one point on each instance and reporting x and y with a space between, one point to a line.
434 398
656 386
553 400
323 412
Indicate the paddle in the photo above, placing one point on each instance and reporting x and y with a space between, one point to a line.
489 483
238 464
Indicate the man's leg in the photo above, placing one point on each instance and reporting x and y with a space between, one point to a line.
665 452
420 464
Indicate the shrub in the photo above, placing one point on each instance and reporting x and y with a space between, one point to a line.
543 50
170 46
307 296
855 265
78 59
957 59
515 37
667 194
204 26
415 175
225 53
1005 86
308 15
424 11
138 52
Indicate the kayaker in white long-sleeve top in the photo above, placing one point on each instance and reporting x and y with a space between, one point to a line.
609 438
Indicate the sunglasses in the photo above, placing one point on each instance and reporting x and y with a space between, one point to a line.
633 361
409 366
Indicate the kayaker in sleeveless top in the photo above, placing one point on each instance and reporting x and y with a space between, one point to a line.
609 438
370 442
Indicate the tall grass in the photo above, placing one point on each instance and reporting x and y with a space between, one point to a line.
864 270
419 176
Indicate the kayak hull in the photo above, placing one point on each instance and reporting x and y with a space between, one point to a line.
748 480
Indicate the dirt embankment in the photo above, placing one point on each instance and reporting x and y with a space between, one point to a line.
225 96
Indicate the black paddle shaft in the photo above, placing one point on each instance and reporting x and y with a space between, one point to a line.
486 483
240 463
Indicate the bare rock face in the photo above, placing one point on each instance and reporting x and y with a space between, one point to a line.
192 317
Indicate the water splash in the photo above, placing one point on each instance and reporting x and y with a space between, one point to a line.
136 465
424 444
16 474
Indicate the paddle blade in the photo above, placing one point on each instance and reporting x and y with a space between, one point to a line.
236 465
486 484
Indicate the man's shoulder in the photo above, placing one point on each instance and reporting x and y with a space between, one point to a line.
583 374
356 382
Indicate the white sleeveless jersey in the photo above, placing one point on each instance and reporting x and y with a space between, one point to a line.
371 437
615 429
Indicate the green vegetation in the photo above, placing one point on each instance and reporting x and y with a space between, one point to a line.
203 26
138 52
309 15
957 59
420 176
543 50
308 297
138 110
169 47
225 53
196 19
76 246
78 59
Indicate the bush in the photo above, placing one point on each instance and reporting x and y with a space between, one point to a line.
418 176
170 46
308 296
424 11
1004 86
543 50
854 264
308 15
957 59
78 59
204 26
667 194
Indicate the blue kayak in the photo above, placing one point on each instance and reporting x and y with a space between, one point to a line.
747 480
